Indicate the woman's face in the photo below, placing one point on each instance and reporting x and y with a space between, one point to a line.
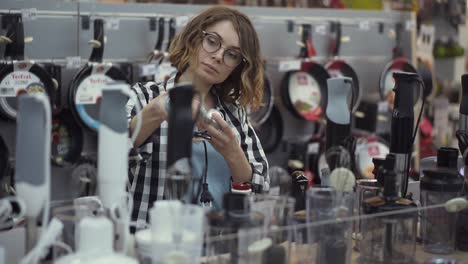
214 67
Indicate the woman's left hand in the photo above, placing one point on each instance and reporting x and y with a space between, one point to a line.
223 139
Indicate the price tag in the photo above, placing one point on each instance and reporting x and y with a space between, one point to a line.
29 14
410 25
147 70
382 107
364 26
112 23
289 65
181 21
73 62
321 29
313 148
163 71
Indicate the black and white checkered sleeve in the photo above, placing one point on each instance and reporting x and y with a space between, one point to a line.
252 148
255 154
141 94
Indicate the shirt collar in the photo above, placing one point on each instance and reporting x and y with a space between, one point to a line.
170 83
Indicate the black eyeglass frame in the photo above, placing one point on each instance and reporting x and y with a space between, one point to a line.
221 46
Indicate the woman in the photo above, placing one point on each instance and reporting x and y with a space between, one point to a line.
219 53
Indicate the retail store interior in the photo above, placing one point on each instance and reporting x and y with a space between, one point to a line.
234 131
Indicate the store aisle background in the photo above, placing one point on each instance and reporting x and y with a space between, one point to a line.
57 32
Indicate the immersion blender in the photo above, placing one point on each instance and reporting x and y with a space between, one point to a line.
463 120
338 132
337 112
113 156
401 142
462 132
33 160
179 142
462 136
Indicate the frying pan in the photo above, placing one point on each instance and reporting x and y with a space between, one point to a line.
83 180
86 86
399 63
366 120
164 68
18 75
337 67
153 57
386 81
364 154
270 132
157 51
304 92
4 157
55 72
425 72
259 116
67 139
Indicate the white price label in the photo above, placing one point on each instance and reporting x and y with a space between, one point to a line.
29 14
112 23
364 25
410 25
181 21
321 29
73 62
382 107
313 148
90 89
289 65
20 81
335 73
147 69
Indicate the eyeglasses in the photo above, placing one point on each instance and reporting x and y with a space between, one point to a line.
212 43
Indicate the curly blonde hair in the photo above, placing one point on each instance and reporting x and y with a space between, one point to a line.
245 84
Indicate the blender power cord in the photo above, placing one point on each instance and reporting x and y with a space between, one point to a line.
10 207
410 151
48 238
205 197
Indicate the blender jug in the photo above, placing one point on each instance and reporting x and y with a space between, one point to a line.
437 187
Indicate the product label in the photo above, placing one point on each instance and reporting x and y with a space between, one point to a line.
321 29
163 72
147 70
335 73
73 62
410 25
18 81
389 82
90 89
313 148
305 94
364 26
181 21
289 65
112 23
29 14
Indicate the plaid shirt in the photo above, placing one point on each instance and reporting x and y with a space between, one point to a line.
147 163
